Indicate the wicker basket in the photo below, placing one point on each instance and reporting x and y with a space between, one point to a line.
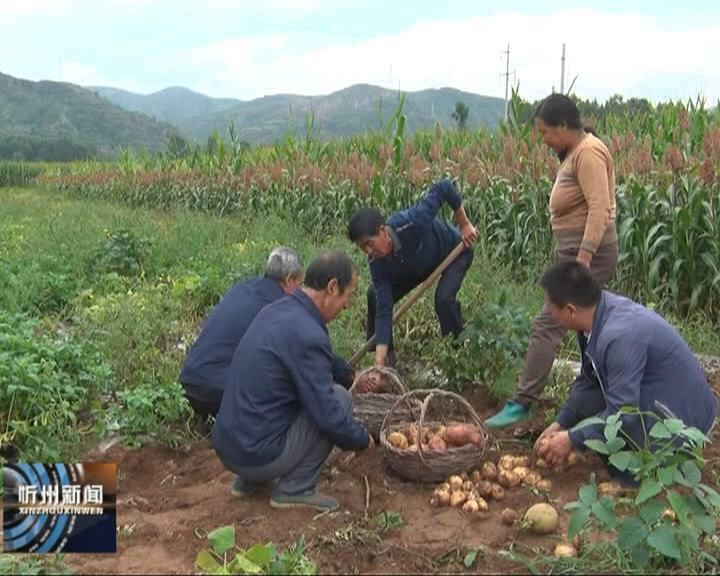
370 408
423 465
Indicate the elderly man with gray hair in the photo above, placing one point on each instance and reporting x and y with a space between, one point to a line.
203 375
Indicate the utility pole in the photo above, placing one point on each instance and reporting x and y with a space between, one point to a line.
562 70
507 79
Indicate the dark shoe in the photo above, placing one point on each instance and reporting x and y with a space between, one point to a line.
313 500
242 488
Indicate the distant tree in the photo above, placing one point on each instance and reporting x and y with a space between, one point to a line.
461 114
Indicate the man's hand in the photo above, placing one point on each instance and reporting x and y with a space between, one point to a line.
547 433
469 234
369 383
584 257
557 448
467 231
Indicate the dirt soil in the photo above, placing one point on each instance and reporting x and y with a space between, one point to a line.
169 500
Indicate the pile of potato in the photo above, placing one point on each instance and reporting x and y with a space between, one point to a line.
471 492
437 438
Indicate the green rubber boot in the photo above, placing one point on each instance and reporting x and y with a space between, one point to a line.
511 414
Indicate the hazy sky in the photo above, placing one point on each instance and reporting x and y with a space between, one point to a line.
246 48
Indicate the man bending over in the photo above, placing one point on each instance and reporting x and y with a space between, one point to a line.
403 252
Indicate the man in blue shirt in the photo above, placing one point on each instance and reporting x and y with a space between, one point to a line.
282 414
403 252
631 356
203 375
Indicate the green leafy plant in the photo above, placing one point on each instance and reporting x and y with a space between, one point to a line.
122 252
495 337
49 383
673 513
34 566
224 557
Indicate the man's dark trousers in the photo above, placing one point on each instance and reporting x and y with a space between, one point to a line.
447 306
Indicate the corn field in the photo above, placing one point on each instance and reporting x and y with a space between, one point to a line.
667 163
16 174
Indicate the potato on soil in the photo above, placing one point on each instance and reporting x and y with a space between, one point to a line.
521 472
455 482
506 462
484 488
509 516
573 459
540 463
532 479
489 471
457 498
610 489
470 506
444 486
544 485
508 479
498 493
468 486
482 504
398 440
522 461
565 550
443 497
541 518
476 476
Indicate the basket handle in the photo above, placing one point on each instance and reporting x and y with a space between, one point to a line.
393 378
404 398
473 415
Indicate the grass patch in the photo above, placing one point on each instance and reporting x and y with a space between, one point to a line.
115 295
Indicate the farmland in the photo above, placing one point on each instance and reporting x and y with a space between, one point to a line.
109 268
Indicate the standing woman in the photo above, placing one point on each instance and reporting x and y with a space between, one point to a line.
582 215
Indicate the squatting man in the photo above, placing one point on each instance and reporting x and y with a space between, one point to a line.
631 357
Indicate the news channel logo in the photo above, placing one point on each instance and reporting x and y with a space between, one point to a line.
68 508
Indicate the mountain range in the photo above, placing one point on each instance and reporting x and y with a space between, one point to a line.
349 111
46 119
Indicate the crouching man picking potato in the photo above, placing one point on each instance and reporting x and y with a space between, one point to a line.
631 357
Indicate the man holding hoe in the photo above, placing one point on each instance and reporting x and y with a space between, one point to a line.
403 251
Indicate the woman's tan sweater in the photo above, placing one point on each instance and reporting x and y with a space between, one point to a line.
583 196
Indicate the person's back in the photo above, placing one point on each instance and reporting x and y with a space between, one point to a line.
282 412
213 350
424 238
207 362
631 339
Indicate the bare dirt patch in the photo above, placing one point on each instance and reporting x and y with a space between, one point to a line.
169 500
